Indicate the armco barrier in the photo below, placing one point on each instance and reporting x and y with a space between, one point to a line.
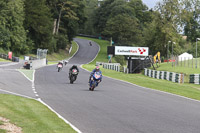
195 78
170 76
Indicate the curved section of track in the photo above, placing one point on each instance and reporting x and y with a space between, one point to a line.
115 106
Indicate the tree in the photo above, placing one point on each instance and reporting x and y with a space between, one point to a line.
124 30
90 7
11 24
191 19
39 24
68 15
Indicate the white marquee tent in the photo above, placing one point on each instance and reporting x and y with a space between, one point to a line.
185 56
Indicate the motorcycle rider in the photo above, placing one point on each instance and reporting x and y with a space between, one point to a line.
73 67
90 43
97 69
60 63
65 62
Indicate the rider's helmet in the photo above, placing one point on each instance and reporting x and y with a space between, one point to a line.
74 66
97 68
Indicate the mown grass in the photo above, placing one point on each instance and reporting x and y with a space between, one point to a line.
1 122
2 131
62 55
28 73
178 68
186 89
31 115
185 69
3 60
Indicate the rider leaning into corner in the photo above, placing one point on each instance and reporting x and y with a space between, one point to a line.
97 69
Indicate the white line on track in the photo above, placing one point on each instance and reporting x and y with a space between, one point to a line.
16 94
39 99
66 121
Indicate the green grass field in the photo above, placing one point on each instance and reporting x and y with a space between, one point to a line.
186 89
31 115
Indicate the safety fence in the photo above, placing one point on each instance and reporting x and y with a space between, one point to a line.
113 66
194 79
170 76
189 62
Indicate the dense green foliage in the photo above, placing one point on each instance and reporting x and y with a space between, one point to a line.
26 25
132 23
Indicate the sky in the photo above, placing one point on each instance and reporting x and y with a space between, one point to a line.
151 3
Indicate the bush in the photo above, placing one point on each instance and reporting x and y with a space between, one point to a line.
61 42
120 59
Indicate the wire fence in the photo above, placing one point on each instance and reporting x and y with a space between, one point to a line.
41 53
185 62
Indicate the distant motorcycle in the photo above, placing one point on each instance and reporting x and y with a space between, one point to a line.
59 67
95 80
65 62
90 43
73 75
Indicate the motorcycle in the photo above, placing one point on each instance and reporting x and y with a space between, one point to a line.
94 80
90 43
73 75
59 66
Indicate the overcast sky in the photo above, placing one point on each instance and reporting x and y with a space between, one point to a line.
151 3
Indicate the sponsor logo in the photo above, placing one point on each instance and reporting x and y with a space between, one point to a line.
127 51
142 50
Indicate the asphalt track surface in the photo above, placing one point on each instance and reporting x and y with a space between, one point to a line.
114 106
12 81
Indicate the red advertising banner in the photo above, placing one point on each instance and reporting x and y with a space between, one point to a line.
9 55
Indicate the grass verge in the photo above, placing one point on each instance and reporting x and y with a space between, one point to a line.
2 131
62 55
28 73
187 90
3 60
31 115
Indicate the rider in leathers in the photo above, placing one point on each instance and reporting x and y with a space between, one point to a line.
97 69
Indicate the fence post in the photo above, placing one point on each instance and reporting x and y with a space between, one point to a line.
192 62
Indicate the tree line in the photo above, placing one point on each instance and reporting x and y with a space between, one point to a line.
133 24
26 25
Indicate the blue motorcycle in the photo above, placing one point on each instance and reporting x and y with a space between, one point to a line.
95 80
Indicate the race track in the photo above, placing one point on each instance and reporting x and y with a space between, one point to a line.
114 106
